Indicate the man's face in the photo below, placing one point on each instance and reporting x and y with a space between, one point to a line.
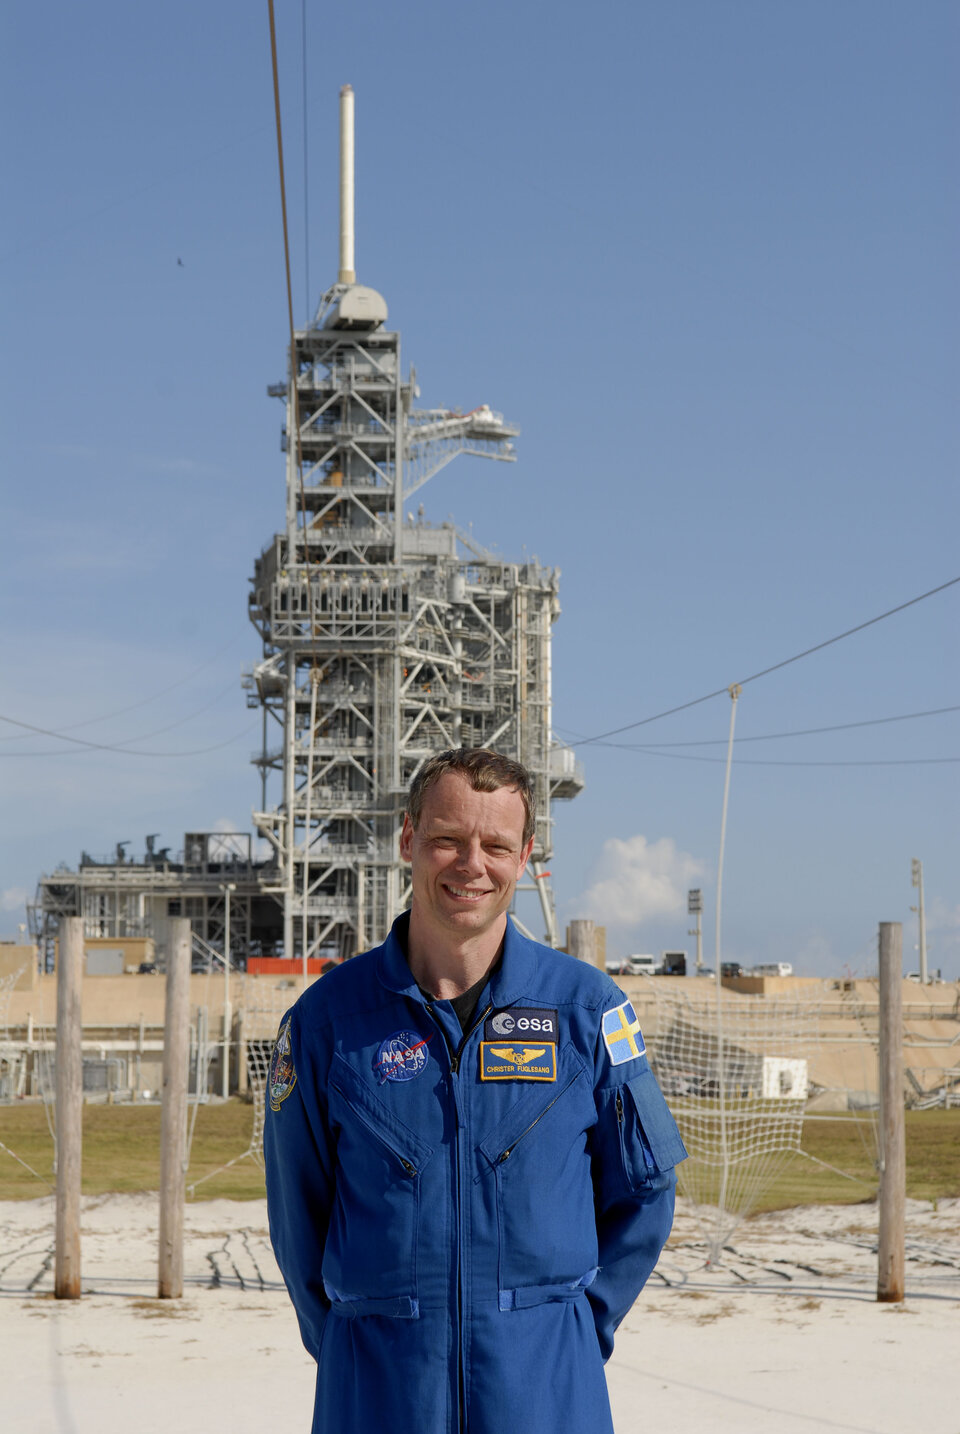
467 855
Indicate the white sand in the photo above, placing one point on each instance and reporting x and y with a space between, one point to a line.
786 1337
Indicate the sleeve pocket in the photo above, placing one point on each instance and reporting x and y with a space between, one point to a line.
652 1141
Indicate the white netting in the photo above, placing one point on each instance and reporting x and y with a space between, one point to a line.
13 1064
10 1055
261 1007
735 1072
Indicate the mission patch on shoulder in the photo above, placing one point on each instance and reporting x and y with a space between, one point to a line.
283 1077
515 1060
521 1023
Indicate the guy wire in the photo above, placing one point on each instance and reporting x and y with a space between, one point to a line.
295 436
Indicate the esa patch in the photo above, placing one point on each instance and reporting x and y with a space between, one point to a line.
621 1034
521 1023
516 1060
401 1056
283 1077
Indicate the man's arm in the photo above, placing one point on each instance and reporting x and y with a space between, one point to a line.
299 1172
635 1147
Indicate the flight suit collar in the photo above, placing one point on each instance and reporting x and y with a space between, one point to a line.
513 979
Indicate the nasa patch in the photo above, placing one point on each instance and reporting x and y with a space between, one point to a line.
283 1077
521 1023
401 1056
518 1060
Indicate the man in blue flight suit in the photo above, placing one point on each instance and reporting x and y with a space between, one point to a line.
469 1161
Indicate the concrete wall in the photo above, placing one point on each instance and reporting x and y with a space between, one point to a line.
19 959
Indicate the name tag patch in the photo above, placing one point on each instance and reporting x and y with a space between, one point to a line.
517 1060
521 1023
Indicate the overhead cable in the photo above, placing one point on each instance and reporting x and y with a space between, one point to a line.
765 672
142 702
295 438
109 746
773 736
785 762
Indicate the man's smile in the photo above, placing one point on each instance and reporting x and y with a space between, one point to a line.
464 892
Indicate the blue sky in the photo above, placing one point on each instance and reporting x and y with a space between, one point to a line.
704 254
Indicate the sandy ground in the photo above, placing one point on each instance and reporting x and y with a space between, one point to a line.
785 1336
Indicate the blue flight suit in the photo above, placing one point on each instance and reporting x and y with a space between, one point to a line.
463 1220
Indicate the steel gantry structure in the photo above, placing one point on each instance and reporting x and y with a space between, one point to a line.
385 638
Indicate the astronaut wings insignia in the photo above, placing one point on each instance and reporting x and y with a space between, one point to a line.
518 1058
508 1060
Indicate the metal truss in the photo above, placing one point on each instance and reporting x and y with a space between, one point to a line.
385 639
120 899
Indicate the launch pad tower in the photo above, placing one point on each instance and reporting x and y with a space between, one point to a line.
385 638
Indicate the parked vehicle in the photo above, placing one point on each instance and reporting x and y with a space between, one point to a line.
642 965
638 965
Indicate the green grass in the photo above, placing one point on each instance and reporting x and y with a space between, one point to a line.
848 1144
121 1151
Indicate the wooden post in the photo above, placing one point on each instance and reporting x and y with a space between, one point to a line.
242 1051
583 941
173 1118
69 1089
893 1162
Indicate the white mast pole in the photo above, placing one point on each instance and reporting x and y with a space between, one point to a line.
347 273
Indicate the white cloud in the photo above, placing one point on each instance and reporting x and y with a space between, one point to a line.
943 936
638 881
13 898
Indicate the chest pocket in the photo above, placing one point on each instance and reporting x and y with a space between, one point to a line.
535 1168
370 1257
650 1142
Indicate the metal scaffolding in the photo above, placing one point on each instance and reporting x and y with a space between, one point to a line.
122 897
385 638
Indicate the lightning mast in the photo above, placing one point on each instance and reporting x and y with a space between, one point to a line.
385 639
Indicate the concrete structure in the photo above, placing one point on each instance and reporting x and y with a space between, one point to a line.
123 1033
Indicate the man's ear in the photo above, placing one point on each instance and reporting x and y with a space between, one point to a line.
524 858
406 838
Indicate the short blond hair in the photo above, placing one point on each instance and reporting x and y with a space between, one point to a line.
486 771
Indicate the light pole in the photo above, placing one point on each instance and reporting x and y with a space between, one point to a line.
916 874
229 887
695 908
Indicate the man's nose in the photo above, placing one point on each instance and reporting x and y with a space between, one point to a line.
470 857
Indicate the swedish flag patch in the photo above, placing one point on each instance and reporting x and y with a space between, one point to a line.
621 1034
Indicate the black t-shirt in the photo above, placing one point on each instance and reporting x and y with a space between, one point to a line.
464 1005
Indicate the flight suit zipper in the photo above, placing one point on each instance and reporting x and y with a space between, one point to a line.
620 1133
407 1166
534 1123
455 1058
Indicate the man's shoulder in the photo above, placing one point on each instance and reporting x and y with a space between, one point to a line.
352 986
561 979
